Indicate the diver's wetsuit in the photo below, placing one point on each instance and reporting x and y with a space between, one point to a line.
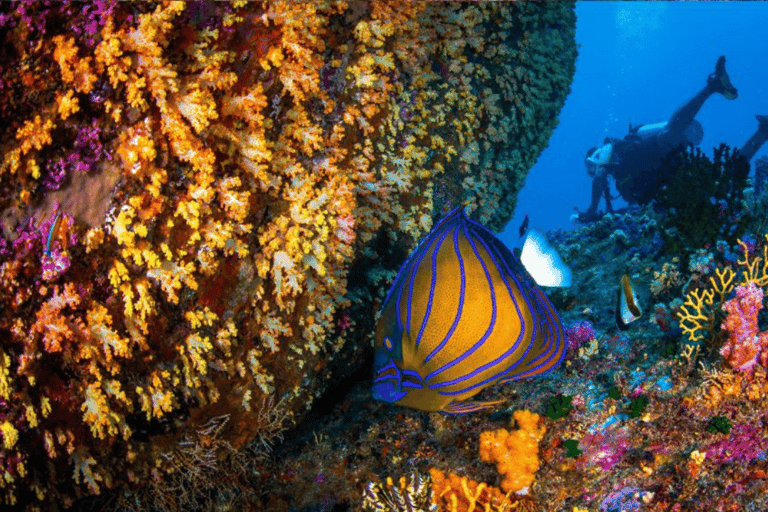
638 166
637 163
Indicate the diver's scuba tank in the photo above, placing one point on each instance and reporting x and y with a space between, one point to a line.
694 133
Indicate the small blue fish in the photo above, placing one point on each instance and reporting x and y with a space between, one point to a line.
53 233
462 314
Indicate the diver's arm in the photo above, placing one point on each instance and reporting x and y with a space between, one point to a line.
599 188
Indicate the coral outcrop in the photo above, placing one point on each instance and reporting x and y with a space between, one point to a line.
706 197
189 192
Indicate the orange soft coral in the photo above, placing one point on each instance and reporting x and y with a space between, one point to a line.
453 493
514 453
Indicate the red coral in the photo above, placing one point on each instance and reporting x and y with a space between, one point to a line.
746 345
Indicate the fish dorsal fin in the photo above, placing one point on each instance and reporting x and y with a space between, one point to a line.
468 407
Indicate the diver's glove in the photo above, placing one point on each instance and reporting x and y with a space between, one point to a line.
585 217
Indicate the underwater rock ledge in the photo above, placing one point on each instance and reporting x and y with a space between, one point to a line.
204 203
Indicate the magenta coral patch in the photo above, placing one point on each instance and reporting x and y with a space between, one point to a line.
578 333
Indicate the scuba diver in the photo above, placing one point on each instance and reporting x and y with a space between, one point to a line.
636 162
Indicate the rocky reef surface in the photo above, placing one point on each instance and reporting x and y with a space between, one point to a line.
203 204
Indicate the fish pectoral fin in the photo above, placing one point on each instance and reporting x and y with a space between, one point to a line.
468 407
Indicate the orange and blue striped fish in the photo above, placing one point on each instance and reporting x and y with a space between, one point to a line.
462 314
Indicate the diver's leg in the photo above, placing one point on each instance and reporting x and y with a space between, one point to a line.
755 142
607 197
599 185
719 81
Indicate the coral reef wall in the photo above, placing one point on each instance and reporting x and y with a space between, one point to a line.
186 186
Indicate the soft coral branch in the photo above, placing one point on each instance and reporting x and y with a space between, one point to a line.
746 345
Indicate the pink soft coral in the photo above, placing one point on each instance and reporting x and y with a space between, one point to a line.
746 442
746 345
579 333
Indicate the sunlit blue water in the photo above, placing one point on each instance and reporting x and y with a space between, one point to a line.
638 61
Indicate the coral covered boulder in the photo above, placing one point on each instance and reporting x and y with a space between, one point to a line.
187 189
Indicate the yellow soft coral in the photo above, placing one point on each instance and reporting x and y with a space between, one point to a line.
514 453
5 376
9 434
254 164
698 315
74 70
67 104
35 134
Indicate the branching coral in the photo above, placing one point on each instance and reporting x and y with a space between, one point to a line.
453 493
706 195
257 149
699 314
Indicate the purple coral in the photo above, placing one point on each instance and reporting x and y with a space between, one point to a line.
578 333
87 152
54 265
29 239
745 442
623 500
605 448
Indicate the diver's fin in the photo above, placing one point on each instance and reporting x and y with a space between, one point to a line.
721 81
762 122
542 261
468 407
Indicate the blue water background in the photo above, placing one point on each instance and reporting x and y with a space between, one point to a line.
639 61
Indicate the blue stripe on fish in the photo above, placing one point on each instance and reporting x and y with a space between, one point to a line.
52 233
461 315
431 292
488 331
460 308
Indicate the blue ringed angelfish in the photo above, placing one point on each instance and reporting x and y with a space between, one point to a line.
462 314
